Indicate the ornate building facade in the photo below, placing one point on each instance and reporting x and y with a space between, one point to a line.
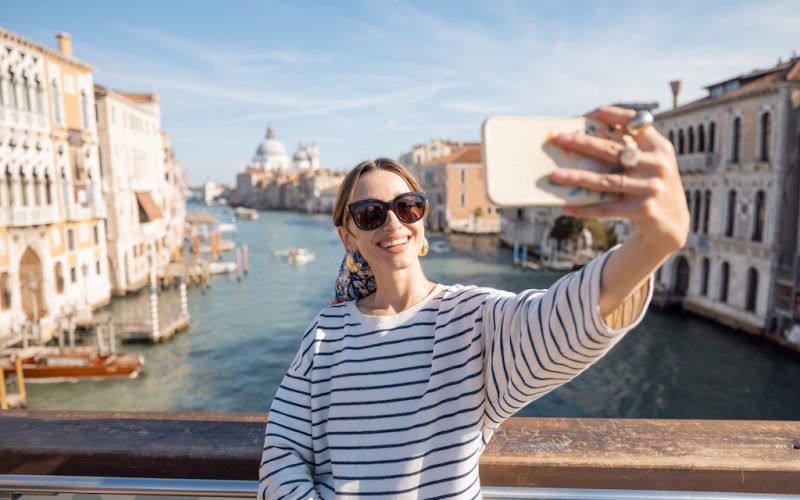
52 237
737 150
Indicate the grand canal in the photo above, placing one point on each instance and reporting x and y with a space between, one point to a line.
243 335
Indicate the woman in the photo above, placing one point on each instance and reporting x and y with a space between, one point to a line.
398 393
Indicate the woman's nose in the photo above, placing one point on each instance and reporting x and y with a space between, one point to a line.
392 221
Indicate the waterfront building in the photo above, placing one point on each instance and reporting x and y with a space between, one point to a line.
737 151
141 184
427 152
528 226
456 190
52 240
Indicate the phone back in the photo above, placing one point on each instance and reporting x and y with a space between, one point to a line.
518 156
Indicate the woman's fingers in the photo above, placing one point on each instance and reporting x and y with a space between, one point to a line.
607 183
605 150
625 209
649 138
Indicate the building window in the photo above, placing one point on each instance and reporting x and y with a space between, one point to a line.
10 185
39 97
680 141
759 214
701 139
73 275
70 239
658 275
671 136
84 110
12 90
707 211
704 284
58 274
691 140
731 221
26 95
97 267
37 195
56 103
96 230
752 290
48 196
23 183
736 139
5 292
2 91
463 176
766 135
723 283
712 132
697 211
463 200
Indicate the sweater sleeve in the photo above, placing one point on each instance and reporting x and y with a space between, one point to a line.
539 340
287 462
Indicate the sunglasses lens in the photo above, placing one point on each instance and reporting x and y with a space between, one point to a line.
369 217
410 208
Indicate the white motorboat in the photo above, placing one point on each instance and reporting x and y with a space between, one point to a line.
244 213
221 267
299 256
439 246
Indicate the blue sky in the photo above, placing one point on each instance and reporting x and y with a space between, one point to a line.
368 79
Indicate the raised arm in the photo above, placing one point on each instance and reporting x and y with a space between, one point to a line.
652 198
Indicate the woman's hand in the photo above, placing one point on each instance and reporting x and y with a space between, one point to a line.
652 194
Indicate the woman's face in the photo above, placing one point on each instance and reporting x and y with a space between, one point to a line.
394 245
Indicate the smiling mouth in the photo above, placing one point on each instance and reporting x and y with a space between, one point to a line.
394 242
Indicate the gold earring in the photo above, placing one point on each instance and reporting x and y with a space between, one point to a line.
424 250
350 263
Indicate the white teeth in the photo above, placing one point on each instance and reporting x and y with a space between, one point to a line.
393 243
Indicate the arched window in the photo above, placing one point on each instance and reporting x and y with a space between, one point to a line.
26 94
84 110
706 211
691 140
766 135
712 136
37 196
701 139
680 141
10 186
758 215
752 290
723 282
39 97
697 211
731 220
704 284
2 90
671 136
48 185
736 139
658 275
12 90
688 200
23 184
56 103
58 273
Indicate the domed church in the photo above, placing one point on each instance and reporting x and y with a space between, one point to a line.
271 155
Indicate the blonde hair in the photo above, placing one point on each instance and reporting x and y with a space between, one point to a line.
349 184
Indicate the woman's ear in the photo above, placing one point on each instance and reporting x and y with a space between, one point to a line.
347 239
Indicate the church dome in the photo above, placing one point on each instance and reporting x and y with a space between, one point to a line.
271 153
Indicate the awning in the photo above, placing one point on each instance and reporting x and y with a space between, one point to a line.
149 206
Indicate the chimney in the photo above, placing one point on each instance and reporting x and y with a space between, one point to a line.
64 41
676 90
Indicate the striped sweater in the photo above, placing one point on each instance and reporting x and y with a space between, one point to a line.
402 406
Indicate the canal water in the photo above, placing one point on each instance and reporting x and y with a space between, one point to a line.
243 335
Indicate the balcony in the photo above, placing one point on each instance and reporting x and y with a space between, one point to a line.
28 216
193 454
697 163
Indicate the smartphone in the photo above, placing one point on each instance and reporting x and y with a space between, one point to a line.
518 156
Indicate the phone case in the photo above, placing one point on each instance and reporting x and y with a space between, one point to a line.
518 156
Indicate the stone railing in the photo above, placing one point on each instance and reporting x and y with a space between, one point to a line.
619 454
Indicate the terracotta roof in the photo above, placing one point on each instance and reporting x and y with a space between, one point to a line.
759 79
470 153
140 97
332 188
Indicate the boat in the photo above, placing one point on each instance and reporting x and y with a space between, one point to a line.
243 213
559 265
299 256
221 267
48 364
439 246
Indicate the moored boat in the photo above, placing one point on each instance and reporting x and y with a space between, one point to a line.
74 364
244 213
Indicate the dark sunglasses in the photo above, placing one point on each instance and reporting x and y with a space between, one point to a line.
370 214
